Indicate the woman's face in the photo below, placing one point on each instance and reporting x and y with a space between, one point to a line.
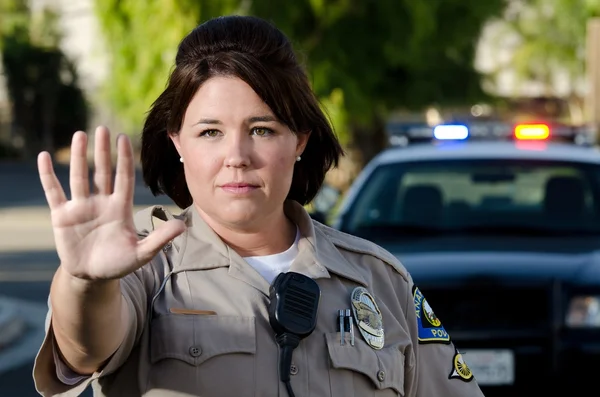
238 158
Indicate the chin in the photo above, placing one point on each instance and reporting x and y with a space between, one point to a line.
241 213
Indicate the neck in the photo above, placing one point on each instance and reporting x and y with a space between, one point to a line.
275 234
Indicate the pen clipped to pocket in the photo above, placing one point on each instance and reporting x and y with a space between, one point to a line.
345 325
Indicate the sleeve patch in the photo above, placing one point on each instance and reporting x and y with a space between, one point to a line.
460 369
430 328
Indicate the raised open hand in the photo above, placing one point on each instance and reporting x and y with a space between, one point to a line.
94 232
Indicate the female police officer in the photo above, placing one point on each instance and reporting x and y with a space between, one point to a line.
157 305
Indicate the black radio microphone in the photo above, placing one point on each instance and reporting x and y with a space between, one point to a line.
293 316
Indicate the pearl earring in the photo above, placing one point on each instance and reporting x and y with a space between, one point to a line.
298 158
181 159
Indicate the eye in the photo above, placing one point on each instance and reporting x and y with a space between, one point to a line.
262 131
210 133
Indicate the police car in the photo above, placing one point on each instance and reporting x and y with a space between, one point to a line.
500 229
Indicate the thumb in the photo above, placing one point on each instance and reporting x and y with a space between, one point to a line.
149 246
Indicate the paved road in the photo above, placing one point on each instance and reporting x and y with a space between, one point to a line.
27 263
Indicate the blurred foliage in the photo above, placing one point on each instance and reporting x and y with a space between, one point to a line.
550 42
47 104
365 57
14 17
142 36
551 37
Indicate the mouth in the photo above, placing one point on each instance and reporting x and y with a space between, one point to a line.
239 188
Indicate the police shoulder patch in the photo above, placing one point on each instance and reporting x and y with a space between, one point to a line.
460 369
430 328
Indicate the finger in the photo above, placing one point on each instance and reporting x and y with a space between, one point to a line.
78 174
125 175
102 161
148 247
55 195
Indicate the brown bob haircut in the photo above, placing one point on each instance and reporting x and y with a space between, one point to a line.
255 51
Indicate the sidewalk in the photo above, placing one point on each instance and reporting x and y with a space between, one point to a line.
30 228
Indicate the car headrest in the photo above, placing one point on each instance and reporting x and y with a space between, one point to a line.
565 195
422 204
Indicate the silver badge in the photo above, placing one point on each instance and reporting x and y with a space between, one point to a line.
368 317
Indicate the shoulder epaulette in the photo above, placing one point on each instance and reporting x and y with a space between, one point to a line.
144 222
144 219
361 246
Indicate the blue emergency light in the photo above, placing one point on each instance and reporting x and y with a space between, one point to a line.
451 132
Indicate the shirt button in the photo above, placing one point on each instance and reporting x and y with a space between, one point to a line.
195 351
293 369
381 375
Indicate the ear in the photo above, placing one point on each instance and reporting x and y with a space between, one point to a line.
175 139
303 138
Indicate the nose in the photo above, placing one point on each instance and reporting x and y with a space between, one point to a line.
238 151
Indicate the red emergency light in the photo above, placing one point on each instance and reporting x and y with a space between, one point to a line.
532 132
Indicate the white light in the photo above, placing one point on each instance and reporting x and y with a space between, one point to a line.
453 132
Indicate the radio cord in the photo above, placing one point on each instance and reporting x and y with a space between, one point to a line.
287 343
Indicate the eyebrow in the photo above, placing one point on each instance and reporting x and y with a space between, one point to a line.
263 119
208 121
254 119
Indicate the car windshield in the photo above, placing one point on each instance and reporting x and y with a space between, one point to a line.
478 197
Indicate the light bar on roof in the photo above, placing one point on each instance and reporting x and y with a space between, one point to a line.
532 132
451 132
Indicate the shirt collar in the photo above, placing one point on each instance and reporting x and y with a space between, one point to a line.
201 249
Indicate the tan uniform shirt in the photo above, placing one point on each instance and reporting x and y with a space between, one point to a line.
232 352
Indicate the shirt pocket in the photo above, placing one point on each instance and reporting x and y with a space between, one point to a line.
360 370
202 354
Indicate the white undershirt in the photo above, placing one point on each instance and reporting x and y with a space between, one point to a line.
269 266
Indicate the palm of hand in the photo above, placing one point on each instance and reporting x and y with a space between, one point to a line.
96 238
94 234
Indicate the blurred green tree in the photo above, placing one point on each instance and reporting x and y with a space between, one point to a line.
386 54
549 39
365 57
142 38
46 101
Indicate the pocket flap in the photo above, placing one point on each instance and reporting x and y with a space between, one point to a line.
384 367
196 338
